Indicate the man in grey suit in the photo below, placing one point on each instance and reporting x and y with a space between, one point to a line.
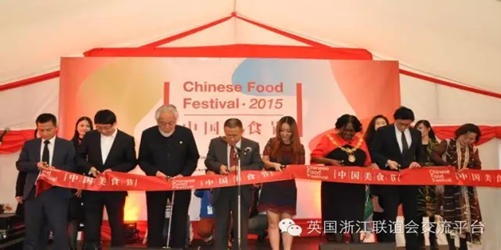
222 159
51 206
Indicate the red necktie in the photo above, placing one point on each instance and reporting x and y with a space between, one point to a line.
233 157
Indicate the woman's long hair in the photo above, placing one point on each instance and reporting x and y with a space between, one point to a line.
371 129
76 136
432 142
431 133
277 144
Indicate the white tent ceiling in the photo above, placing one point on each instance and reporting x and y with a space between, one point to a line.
453 39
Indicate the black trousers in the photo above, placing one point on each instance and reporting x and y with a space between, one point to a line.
75 217
393 196
47 211
156 203
463 245
228 202
94 202
378 217
431 232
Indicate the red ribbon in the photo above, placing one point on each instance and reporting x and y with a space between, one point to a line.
117 181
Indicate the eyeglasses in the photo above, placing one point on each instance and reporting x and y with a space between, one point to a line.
104 128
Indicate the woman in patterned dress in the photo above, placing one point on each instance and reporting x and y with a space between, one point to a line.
278 199
427 194
343 203
461 210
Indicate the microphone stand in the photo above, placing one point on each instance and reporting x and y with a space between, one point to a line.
167 245
238 155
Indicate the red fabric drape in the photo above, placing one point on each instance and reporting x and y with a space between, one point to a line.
13 141
488 132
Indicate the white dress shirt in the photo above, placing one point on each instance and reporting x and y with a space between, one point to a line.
106 143
51 144
229 151
408 137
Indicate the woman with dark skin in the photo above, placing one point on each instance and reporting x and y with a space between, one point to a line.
343 202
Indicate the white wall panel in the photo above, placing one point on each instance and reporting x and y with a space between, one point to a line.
21 106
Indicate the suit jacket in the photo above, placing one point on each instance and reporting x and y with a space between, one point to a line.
218 155
63 158
121 158
385 147
21 179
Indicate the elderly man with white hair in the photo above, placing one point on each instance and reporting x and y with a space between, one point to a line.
170 151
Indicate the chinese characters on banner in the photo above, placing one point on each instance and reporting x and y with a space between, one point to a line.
215 128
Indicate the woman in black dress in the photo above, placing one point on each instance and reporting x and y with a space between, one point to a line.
76 212
376 122
343 203
278 199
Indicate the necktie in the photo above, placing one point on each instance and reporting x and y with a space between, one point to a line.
45 156
233 157
405 146
46 153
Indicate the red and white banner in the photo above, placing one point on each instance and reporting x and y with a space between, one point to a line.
117 181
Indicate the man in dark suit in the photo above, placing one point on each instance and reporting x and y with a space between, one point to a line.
222 159
168 150
397 147
51 206
101 150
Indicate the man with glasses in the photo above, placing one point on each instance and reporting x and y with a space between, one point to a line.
168 150
396 147
105 149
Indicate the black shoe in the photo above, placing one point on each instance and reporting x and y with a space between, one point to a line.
92 247
208 243
262 237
